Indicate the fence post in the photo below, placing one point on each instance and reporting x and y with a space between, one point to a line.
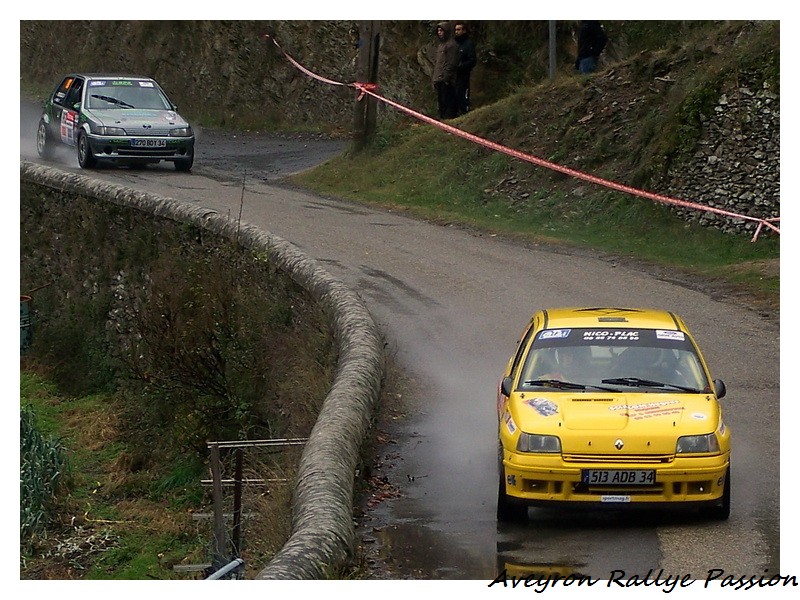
237 505
220 541
25 321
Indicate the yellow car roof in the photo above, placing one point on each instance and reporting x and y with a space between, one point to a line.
644 318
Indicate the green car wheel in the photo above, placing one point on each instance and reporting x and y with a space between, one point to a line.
85 158
44 145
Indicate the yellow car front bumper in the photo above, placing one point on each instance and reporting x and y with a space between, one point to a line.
547 479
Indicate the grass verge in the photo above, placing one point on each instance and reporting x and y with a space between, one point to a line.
109 526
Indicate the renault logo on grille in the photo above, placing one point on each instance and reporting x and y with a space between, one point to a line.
619 444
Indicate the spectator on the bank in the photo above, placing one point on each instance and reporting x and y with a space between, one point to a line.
444 71
591 42
467 59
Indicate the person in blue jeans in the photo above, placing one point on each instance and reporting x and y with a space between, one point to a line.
591 42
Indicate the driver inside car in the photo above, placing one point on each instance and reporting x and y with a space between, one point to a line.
569 363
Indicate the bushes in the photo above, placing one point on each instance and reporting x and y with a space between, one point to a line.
174 335
217 347
204 342
203 339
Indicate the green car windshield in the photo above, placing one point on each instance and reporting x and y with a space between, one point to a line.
125 95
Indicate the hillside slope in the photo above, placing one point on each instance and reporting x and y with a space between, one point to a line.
227 72
699 121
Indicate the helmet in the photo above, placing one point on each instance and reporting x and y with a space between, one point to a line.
640 361
569 355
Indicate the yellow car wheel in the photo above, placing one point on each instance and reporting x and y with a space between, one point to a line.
508 509
723 510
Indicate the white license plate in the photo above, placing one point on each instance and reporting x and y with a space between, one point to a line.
149 143
618 476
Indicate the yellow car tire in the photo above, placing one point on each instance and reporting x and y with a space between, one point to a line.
509 510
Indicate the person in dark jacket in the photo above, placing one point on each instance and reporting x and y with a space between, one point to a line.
467 59
444 70
591 42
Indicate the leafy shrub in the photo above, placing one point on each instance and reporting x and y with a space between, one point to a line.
43 465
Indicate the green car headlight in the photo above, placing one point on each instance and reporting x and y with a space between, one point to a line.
697 444
181 132
102 130
531 442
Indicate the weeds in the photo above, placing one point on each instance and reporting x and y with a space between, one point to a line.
43 471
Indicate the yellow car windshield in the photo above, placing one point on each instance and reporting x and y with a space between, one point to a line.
624 358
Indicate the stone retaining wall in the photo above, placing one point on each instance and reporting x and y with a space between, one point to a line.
323 535
737 163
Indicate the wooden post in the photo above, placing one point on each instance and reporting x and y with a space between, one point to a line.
237 505
220 539
366 110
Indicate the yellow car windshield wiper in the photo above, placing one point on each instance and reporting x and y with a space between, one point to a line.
638 382
557 383
566 385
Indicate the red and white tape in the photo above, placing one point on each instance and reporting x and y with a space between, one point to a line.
364 89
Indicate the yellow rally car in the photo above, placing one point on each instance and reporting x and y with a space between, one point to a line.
610 407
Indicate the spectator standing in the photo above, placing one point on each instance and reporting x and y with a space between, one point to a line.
591 42
467 59
444 70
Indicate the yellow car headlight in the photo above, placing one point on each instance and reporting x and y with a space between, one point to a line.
531 442
697 444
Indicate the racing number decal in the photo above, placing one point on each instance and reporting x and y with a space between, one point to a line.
69 123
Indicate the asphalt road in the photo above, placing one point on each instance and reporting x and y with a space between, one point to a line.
452 303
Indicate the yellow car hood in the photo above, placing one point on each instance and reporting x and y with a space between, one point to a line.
605 413
653 419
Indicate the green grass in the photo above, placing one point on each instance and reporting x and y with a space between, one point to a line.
131 525
70 420
43 396
141 554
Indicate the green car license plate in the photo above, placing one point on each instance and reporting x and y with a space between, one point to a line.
618 476
148 143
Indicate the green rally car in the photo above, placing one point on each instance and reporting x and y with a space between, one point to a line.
118 119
